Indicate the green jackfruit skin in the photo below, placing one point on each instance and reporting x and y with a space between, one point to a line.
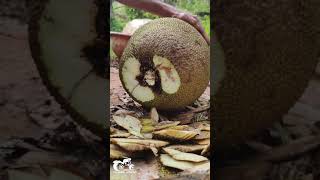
186 49
271 50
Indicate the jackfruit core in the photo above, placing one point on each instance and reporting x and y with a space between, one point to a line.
144 78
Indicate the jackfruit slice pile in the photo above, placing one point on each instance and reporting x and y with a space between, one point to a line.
177 144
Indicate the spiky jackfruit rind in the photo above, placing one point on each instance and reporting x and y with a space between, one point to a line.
270 52
184 47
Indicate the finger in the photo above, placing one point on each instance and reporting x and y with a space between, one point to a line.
177 16
194 21
199 27
189 19
206 37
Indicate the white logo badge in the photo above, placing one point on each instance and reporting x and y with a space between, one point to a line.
123 166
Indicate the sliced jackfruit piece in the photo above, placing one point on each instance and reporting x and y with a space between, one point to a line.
130 123
175 134
166 124
167 160
147 142
118 153
182 156
187 147
202 141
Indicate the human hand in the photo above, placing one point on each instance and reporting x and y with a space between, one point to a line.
194 21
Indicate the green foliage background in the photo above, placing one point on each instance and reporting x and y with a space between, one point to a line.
122 14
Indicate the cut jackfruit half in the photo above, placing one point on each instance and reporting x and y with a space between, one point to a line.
68 40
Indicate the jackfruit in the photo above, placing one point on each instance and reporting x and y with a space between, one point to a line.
165 64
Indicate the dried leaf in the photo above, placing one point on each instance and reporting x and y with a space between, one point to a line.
163 118
206 128
188 147
166 124
184 118
190 107
203 135
148 135
124 112
129 123
118 153
119 133
113 130
175 134
201 108
167 160
154 149
182 156
181 127
154 115
147 142
138 147
139 144
132 146
202 141
205 150
146 121
133 137
147 129
203 126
